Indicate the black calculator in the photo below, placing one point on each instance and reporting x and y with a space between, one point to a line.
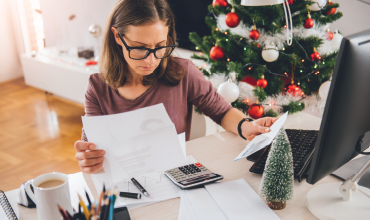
192 176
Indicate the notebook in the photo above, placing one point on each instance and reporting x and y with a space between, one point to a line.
6 210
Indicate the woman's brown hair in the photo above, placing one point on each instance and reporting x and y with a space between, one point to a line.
113 66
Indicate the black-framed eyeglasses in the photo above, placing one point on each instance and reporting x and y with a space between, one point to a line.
139 53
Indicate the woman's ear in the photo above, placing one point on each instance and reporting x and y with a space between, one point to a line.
116 37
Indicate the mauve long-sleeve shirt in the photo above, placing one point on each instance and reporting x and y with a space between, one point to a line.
193 89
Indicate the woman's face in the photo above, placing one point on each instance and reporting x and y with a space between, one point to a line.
148 36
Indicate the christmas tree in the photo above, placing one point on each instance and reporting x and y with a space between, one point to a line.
249 44
277 180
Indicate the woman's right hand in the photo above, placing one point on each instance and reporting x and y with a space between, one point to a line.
89 159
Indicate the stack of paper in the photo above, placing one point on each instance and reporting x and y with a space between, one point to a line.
232 200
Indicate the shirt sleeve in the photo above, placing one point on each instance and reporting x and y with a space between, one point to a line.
92 106
202 95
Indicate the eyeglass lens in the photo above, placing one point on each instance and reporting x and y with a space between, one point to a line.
141 53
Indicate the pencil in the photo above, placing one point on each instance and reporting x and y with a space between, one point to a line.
99 205
104 209
69 215
111 206
88 199
107 210
61 210
85 209
115 194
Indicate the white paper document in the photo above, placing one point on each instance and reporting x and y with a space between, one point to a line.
158 186
239 201
139 142
204 205
263 140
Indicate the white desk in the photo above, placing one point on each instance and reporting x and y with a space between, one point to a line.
216 152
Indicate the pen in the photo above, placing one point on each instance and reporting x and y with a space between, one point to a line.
130 195
137 184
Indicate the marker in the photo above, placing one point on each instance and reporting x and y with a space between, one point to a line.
142 190
130 195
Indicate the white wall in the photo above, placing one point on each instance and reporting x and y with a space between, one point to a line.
356 17
74 33
9 59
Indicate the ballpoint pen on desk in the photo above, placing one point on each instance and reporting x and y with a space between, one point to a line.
142 190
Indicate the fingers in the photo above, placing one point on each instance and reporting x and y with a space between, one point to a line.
90 162
83 146
92 169
84 155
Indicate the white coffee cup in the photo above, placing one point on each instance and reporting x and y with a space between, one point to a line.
48 199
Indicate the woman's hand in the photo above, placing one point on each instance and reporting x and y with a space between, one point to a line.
254 128
89 159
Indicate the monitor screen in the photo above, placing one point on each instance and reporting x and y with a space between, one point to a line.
347 111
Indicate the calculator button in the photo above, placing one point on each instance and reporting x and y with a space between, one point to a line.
198 170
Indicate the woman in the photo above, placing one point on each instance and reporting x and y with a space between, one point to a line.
137 70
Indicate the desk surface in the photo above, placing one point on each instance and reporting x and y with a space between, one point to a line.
217 153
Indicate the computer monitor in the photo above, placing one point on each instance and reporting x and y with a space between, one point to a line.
345 126
347 111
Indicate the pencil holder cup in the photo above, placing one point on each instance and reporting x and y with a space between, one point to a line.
49 191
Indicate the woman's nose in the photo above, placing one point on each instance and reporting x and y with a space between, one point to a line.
151 58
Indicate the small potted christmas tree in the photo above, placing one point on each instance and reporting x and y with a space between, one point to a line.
277 180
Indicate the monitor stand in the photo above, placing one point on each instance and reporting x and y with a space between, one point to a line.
339 201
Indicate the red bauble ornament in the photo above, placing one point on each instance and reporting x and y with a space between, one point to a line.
329 34
256 111
332 10
315 55
308 23
262 82
232 19
294 89
290 2
222 3
254 34
217 53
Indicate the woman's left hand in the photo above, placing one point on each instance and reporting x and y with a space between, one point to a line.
254 128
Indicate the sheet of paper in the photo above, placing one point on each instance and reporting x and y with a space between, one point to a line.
159 186
204 205
263 140
138 142
239 201
182 139
187 207
2 214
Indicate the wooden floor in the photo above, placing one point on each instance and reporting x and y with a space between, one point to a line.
37 133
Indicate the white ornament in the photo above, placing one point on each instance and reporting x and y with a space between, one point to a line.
316 6
228 90
270 53
324 89
337 39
